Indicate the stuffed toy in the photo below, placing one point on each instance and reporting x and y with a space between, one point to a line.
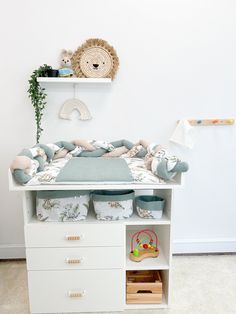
66 70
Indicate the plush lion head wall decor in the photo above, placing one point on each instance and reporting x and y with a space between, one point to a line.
95 58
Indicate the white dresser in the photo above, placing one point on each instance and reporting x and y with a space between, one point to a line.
73 267
81 266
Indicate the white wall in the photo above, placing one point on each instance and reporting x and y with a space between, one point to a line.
177 60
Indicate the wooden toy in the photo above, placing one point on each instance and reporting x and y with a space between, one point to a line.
145 246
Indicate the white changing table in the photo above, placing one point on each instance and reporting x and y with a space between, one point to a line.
81 266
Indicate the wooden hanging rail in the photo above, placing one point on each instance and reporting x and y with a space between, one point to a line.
210 122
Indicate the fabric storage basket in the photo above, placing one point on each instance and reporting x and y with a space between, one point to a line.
113 205
149 206
62 205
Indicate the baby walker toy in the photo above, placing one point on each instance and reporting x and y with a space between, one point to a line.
145 246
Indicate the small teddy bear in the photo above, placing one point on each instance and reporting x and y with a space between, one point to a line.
66 70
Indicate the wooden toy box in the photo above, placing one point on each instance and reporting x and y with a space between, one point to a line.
143 287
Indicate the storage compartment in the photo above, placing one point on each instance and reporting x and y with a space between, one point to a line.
62 205
162 261
113 205
73 235
143 287
75 258
149 206
144 244
76 291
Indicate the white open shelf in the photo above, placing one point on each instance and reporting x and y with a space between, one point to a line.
136 220
90 219
165 296
74 80
133 220
159 262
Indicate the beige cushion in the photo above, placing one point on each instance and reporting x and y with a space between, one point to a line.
85 144
60 154
21 162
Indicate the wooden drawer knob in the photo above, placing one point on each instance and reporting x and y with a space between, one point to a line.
76 294
73 260
73 237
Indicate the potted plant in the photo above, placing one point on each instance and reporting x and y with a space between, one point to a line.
52 73
38 96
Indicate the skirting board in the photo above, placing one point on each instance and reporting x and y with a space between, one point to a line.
224 245
218 245
8 251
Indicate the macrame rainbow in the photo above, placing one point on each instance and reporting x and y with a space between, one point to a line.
74 104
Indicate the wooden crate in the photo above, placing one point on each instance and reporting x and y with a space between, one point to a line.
143 287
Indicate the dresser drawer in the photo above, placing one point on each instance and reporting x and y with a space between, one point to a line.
74 258
73 234
76 291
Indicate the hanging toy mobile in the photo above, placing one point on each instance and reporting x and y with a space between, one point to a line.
145 245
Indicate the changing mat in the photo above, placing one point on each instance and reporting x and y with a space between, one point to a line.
95 161
95 169
139 173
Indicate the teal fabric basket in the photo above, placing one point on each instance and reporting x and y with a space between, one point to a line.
113 205
149 206
113 195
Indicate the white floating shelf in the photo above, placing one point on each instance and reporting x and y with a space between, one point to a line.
74 80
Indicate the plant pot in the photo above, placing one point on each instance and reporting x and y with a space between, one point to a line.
52 73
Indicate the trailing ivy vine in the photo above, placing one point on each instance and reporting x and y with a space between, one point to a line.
38 96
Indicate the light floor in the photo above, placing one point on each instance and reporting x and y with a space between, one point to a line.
201 285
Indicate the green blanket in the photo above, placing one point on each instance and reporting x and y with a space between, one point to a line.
100 169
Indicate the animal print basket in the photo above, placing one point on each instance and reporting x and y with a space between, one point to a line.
149 206
113 205
62 205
